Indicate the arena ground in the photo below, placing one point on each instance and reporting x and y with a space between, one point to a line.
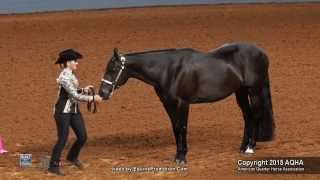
132 129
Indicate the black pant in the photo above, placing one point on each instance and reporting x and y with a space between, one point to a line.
63 122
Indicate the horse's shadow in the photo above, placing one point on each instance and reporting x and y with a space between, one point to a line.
145 140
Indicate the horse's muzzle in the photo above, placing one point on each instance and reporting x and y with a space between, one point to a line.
105 95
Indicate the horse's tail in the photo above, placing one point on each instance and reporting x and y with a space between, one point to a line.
261 104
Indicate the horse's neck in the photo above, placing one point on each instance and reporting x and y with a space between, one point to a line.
143 69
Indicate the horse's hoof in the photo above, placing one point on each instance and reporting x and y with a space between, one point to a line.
181 162
249 150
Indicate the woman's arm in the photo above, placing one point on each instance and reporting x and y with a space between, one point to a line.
67 84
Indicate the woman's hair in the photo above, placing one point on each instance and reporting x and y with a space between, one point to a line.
63 65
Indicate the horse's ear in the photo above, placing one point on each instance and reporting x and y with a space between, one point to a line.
116 52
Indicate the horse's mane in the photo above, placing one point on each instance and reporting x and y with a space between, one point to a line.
152 51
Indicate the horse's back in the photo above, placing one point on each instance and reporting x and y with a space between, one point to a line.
247 61
231 49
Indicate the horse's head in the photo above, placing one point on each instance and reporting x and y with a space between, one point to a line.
115 75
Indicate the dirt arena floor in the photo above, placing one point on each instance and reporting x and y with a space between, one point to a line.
132 129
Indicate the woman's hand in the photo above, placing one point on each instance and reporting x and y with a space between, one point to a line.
86 89
97 98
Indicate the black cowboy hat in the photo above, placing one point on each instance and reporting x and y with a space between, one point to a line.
68 55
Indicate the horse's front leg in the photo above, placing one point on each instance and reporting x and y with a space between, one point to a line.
178 113
181 130
171 107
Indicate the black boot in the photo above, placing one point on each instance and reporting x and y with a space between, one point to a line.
54 169
77 163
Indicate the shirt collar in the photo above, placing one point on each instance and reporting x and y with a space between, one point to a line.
68 70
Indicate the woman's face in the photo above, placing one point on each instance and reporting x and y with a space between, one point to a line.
72 65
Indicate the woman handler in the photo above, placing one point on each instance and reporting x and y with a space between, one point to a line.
67 112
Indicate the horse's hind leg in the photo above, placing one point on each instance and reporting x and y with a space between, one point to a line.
248 142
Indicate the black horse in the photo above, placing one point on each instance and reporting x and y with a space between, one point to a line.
182 77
